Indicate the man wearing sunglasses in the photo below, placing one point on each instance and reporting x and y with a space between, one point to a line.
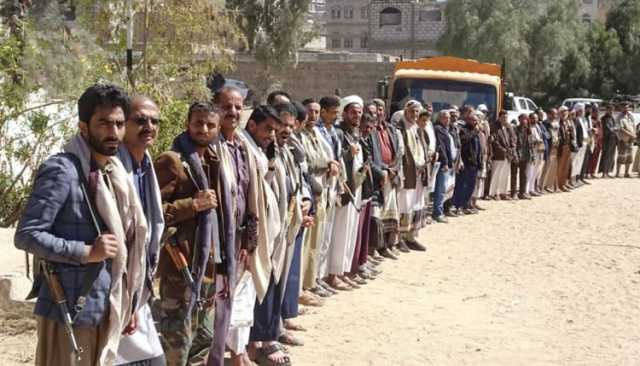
140 342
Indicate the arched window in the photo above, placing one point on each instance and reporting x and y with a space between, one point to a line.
335 12
348 12
390 16
586 18
364 40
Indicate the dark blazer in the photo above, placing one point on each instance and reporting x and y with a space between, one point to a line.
501 144
546 138
579 132
56 225
470 150
372 157
346 140
443 146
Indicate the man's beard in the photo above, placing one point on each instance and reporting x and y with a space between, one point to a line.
99 146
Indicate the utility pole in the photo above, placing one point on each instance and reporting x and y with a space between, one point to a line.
130 42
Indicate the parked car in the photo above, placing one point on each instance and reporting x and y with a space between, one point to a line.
515 106
570 102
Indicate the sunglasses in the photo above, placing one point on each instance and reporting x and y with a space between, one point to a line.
143 120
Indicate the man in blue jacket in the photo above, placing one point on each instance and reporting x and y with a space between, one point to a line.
80 242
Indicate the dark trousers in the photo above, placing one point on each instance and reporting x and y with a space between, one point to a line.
266 316
292 288
465 185
518 173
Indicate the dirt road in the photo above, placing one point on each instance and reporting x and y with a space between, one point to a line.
553 281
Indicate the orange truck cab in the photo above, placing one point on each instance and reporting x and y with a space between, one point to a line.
445 82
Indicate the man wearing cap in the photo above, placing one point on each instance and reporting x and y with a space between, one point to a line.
345 234
582 138
414 164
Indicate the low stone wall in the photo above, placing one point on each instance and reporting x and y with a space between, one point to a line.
319 78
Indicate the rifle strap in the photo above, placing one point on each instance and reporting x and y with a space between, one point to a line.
93 269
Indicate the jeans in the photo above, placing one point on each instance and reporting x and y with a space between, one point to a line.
465 185
438 195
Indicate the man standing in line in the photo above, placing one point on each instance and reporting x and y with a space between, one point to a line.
344 236
626 135
85 221
321 168
387 215
332 146
191 186
410 196
519 166
552 125
444 146
609 142
502 154
471 153
140 342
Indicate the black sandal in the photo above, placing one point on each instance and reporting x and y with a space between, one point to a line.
266 351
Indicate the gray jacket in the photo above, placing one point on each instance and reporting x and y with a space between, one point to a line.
56 225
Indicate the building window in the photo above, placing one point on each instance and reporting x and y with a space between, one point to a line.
364 12
348 12
586 18
430 16
335 12
390 16
364 41
335 43
348 43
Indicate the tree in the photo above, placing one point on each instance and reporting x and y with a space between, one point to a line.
52 50
624 19
542 42
275 30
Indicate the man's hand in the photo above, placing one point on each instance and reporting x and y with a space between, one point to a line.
205 200
105 246
334 169
305 206
132 327
243 254
355 149
307 221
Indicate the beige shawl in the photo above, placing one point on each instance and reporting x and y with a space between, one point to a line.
119 207
262 201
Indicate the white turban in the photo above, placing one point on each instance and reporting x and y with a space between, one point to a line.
483 108
578 107
351 99
412 103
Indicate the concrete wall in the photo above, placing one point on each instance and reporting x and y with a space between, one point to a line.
318 78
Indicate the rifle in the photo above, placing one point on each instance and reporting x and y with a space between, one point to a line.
58 297
175 254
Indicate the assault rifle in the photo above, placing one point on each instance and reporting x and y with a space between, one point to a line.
58 297
175 254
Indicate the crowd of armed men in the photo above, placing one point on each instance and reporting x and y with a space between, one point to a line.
207 251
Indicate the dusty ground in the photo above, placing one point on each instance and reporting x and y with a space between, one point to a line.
553 281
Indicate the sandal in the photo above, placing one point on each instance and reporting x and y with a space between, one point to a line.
266 351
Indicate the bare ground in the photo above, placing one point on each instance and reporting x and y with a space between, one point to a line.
553 281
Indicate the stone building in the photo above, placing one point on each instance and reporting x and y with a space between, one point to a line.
407 28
